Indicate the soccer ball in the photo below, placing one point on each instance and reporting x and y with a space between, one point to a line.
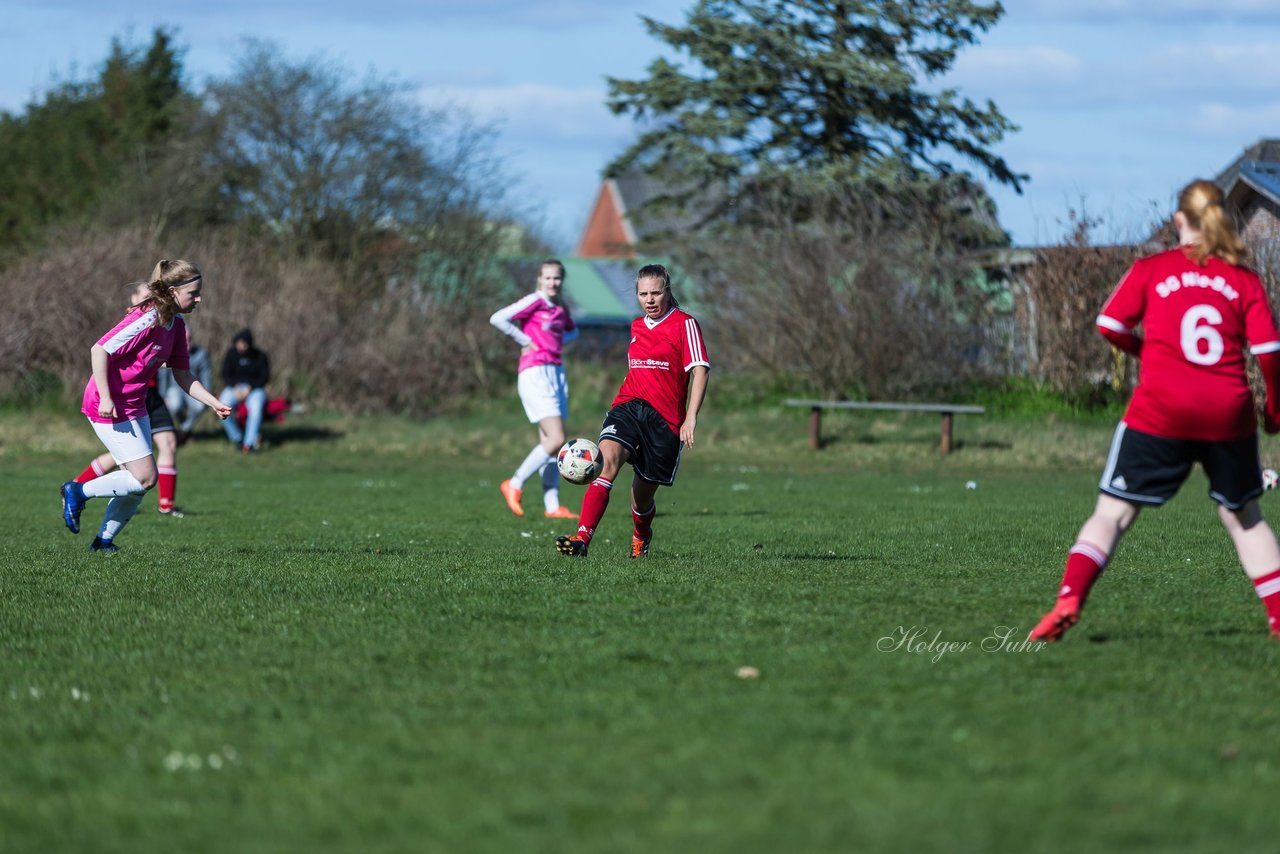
1270 479
579 461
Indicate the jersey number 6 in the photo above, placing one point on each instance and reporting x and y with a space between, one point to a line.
1197 327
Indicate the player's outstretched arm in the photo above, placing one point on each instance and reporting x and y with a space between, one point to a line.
192 386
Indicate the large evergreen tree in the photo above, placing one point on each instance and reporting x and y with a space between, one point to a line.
86 142
829 88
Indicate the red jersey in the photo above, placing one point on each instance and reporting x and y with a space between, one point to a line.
661 354
1197 321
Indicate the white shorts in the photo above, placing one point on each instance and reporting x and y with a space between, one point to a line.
126 441
544 391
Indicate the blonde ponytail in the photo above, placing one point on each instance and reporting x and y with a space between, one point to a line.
164 278
1201 202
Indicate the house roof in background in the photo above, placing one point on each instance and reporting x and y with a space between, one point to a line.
616 224
1257 169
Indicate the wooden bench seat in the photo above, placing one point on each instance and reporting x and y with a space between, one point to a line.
946 410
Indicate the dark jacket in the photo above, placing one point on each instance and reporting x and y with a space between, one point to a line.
251 368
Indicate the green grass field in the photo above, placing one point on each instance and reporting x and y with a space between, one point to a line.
351 645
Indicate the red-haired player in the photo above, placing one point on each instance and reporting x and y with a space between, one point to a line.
1200 310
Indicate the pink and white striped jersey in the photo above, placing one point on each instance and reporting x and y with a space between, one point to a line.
536 320
136 348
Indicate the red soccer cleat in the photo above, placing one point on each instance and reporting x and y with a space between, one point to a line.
1065 614
639 547
512 495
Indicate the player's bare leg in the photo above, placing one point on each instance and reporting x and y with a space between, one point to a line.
1259 553
1085 562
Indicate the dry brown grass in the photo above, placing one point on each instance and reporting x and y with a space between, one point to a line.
399 348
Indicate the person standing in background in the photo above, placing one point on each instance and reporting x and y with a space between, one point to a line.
541 324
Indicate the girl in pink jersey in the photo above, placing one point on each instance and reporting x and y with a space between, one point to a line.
164 439
1200 311
540 323
654 414
124 360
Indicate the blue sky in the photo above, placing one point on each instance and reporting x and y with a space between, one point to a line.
1120 102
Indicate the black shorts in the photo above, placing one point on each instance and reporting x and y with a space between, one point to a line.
1146 469
161 420
655 449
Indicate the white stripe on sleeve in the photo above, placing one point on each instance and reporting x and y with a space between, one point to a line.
125 334
1112 324
1267 347
695 353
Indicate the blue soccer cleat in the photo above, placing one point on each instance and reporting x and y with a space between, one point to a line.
72 504
105 546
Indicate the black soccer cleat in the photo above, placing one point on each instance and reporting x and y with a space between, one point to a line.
573 546
105 546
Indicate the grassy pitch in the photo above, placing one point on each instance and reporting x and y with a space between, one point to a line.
351 645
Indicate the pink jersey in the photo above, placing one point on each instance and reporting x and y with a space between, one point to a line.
661 354
1197 323
136 348
536 320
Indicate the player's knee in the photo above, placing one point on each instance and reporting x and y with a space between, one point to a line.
147 479
1242 518
613 456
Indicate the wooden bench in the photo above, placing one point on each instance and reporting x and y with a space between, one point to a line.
947 410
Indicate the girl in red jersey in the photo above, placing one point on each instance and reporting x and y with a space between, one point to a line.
124 361
1200 310
654 414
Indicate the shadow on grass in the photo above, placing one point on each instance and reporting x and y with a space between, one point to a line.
986 444
272 435
285 435
930 442
1226 632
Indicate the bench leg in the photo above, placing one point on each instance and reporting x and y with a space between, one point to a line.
815 428
946 434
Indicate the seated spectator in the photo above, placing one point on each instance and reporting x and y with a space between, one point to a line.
245 371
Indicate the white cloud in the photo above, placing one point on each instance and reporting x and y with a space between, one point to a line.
1217 120
985 65
535 111
1039 77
